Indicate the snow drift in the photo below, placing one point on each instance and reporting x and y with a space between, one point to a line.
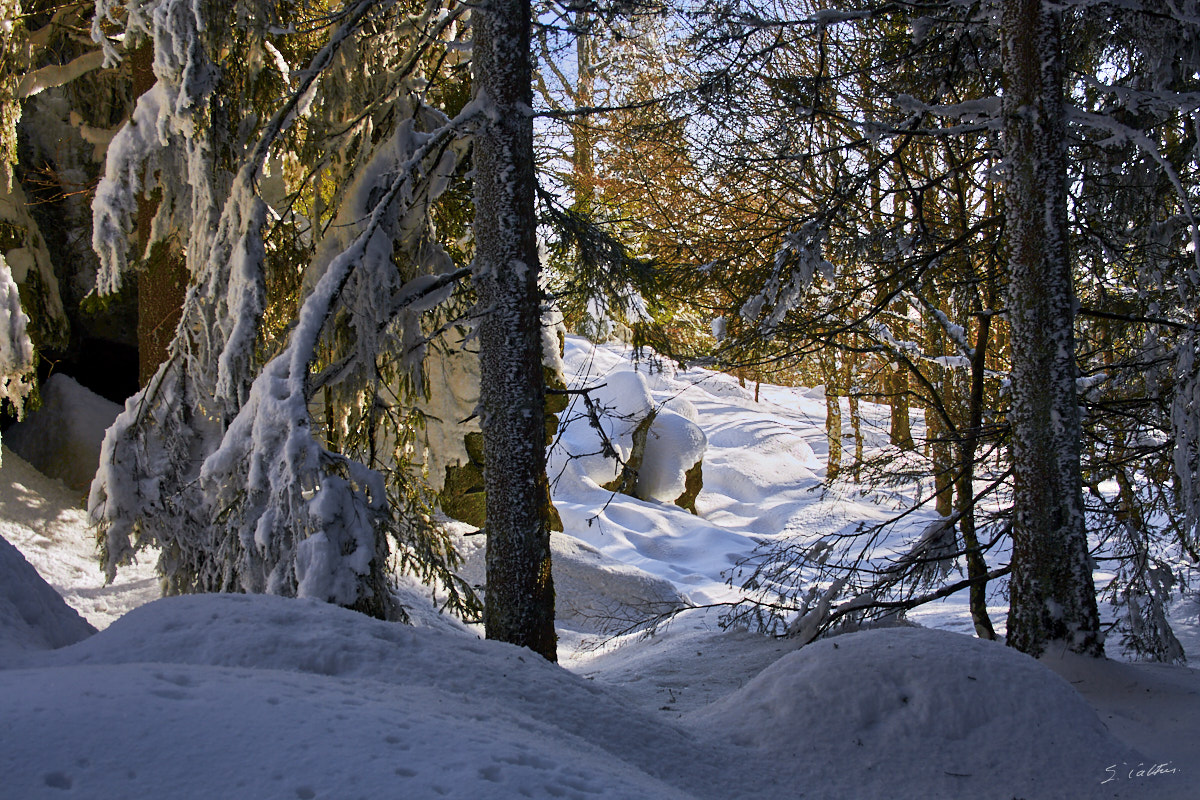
32 615
873 710
238 696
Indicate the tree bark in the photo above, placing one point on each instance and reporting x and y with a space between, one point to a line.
850 370
519 605
163 279
940 435
900 433
582 138
833 415
1052 595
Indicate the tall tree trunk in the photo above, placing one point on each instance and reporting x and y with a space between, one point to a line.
1052 596
582 138
897 380
163 279
900 433
520 591
833 414
976 565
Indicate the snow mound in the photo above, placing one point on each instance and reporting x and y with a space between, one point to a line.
593 592
260 631
598 594
32 615
915 706
62 438
750 461
294 698
318 638
185 732
719 384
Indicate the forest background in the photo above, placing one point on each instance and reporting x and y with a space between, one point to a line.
979 211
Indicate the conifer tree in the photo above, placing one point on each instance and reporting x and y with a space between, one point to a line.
1052 596
220 460
519 606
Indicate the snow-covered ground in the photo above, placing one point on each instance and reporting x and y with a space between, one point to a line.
247 696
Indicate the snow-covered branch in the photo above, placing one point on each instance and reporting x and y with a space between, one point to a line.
797 261
983 110
58 74
307 516
216 460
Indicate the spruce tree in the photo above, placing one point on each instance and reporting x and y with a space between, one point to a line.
1052 595
519 606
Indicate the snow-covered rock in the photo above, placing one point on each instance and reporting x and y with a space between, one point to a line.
62 438
674 445
450 443
683 407
623 401
661 443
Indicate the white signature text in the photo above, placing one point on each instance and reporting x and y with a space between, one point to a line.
1142 770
